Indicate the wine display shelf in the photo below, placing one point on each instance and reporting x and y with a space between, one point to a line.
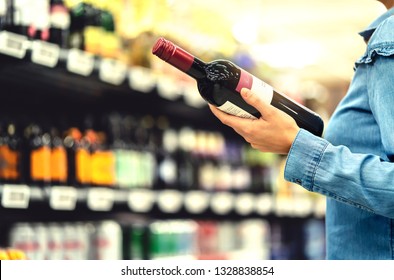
40 74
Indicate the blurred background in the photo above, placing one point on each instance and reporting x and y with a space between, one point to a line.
107 152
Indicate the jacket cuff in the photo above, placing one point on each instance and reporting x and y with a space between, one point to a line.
304 158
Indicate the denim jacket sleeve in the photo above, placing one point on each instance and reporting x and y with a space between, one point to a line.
362 180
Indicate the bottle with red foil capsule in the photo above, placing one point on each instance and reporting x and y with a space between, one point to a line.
220 82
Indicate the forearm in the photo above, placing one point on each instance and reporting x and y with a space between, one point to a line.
358 179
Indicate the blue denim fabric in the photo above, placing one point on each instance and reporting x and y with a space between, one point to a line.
353 166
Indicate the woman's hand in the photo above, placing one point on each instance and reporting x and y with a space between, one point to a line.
273 132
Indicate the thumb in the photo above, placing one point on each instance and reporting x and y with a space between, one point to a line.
254 100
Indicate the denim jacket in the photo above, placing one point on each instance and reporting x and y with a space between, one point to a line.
353 165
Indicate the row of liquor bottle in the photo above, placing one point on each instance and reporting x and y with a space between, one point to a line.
69 24
126 151
166 239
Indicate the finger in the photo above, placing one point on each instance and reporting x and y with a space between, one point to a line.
265 109
228 119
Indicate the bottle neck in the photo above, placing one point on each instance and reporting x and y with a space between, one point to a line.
179 58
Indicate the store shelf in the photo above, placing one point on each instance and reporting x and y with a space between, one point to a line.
168 202
105 84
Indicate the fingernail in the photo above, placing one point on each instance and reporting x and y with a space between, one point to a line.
245 92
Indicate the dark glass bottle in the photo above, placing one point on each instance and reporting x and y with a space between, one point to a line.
78 158
167 167
118 145
220 82
77 25
10 154
187 164
58 159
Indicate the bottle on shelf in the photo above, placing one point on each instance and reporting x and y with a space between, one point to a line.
187 163
59 23
130 172
39 15
3 13
18 17
142 136
10 154
38 155
112 44
58 159
102 158
167 168
220 82
77 24
92 32
78 158
121 150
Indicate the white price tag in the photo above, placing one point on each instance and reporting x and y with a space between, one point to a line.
196 202
222 203
100 199
264 204
80 62
170 201
141 200
15 196
112 71
142 79
244 204
63 198
45 53
13 44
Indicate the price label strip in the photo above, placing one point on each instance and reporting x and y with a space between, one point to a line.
63 198
80 62
170 201
112 71
100 199
15 196
141 200
45 53
196 202
13 44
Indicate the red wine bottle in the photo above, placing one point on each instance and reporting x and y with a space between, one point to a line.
220 82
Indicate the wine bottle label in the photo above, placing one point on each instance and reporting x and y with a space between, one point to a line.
9 160
233 109
41 164
58 164
103 168
263 90
83 166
